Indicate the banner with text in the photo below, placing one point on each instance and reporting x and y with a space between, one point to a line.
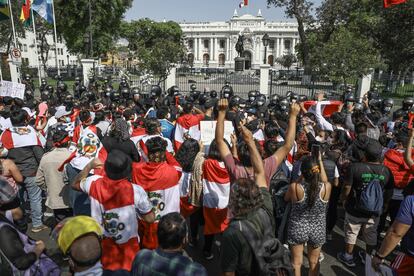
208 130
12 89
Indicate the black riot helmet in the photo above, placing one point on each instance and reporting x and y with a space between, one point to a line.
50 89
213 94
194 94
193 87
27 77
43 81
28 94
234 101
62 87
252 95
45 95
408 103
375 104
226 92
108 92
387 106
125 93
155 91
260 100
115 96
303 98
77 80
284 104
349 97
203 98
292 96
274 99
173 91
373 94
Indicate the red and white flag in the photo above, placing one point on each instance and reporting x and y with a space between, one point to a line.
390 3
216 193
142 148
160 181
244 3
187 126
19 137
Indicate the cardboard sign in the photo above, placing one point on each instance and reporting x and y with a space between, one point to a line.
12 89
208 131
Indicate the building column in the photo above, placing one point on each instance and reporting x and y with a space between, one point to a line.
293 45
228 49
211 52
196 54
282 46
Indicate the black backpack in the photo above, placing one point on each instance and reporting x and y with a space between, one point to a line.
270 256
279 184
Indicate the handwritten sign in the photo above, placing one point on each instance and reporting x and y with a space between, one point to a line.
208 131
12 89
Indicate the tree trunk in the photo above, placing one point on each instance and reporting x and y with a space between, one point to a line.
304 46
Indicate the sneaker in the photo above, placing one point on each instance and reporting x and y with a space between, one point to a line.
208 255
321 257
40 228
362 256
328 237
348 262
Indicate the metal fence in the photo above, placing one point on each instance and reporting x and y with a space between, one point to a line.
216 78
394 85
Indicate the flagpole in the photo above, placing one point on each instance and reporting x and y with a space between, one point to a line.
13 28
56 48
35 42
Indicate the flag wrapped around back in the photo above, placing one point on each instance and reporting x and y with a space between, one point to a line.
187 126
19 137
389 3
44 9
4 10
25 17
216 193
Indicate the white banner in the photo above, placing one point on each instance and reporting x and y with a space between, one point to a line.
208 131
12 89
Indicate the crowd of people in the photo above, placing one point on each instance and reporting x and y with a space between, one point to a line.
130 184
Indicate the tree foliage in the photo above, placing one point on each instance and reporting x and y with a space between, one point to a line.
72 20
157 45
286 61
302 11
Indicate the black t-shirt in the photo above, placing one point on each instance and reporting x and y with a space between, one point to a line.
360 174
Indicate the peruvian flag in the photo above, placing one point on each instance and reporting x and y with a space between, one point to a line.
244 3
19 137
187 126
216 193
142 148
160 181
389 3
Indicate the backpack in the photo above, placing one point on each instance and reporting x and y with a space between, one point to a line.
370 198
44 266
270 256
279 184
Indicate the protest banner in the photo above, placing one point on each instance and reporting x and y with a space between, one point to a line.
12 89
208 130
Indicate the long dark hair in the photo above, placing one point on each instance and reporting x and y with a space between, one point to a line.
342 141
213 152
187 154
311 172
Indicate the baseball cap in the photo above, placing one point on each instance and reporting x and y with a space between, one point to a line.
73 228
61 111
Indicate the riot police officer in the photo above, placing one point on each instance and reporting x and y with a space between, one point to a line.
43 84
76 87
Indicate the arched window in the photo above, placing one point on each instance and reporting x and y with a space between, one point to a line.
190 58
222 60
270 60
206 59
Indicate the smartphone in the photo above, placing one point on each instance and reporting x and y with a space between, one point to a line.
316 149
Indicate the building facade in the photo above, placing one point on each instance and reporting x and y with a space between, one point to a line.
32 58
212 44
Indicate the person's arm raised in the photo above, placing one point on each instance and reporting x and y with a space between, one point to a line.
283 151
94 164
219 136
409 148
255 158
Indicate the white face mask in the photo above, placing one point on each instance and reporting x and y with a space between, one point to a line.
168 116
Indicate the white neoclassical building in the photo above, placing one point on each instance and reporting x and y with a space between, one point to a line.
212 44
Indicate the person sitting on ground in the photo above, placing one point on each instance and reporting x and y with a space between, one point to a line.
80 239
168 258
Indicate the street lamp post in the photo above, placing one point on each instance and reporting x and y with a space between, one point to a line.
265 41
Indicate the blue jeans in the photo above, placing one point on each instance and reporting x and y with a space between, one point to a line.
35 199
81 204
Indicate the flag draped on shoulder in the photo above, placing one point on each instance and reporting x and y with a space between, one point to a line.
187 126
19 137
4 10
25 17
44 9
390 3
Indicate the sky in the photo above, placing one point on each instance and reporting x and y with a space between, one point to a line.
200 10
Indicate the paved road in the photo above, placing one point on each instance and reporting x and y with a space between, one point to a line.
329 266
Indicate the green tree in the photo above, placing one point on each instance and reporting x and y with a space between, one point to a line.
286 61
72 20
157 45
301 10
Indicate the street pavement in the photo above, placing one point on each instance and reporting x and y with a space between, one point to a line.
329 266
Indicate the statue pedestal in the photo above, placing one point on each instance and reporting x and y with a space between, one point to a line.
239 64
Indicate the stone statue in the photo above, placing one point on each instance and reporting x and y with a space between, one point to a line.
240 45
